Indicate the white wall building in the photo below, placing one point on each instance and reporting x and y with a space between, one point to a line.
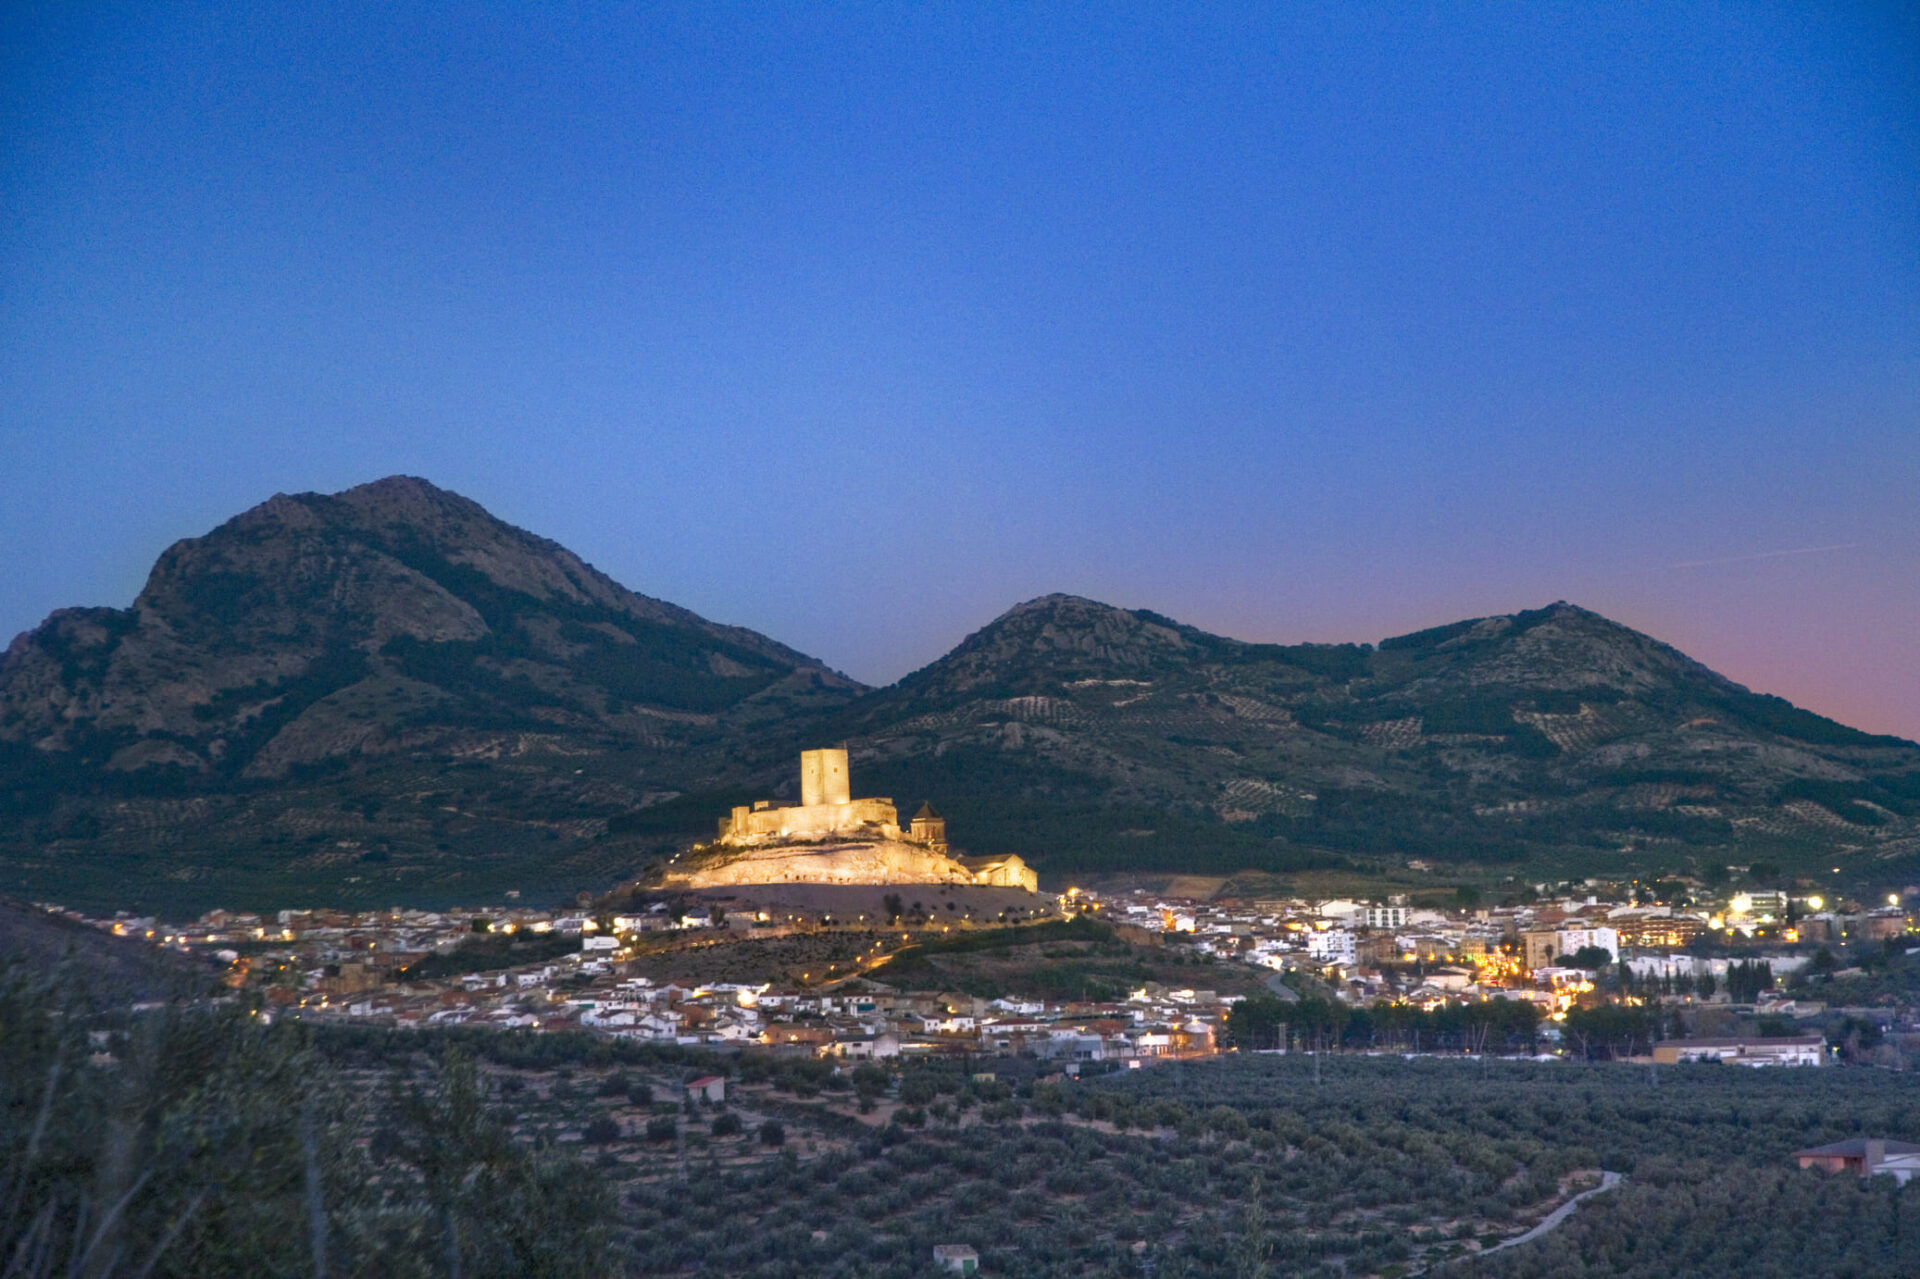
1386 917
1334 946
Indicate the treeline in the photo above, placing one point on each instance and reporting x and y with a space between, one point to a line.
1495 1025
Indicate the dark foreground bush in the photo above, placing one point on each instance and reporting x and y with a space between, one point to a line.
196 1140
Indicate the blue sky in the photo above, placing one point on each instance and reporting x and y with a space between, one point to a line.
859 324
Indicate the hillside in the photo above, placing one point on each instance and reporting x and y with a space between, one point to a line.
1134 742
384 687
387 695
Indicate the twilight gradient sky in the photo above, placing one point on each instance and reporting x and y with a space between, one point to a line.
858 324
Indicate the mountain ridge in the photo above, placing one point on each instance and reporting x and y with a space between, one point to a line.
388 690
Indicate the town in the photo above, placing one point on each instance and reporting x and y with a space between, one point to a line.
1746 971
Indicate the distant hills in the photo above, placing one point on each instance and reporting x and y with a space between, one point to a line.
388 695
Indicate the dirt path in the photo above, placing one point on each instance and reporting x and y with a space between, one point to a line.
1608 1180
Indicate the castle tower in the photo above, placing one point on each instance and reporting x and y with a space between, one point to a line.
823 778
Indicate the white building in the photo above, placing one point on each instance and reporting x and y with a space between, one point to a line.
1334 946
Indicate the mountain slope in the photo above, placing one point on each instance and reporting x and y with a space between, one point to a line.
388 695
294 688
1135 741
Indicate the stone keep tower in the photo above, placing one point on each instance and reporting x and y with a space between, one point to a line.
823 778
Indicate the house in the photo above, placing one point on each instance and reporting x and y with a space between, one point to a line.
1864 1157
956 1258
866 1046
1786 1050
708 1088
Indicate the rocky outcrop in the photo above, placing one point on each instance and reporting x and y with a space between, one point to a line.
840 862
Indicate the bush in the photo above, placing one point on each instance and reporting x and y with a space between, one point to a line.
664 1128
599 1131
727 1125
772 1134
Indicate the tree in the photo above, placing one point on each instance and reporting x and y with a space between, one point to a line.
1619 1029
772 1134
1257 1022
601 1130
869 1080
726 1125
1591 958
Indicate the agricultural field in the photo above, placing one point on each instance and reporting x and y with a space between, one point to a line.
239 1145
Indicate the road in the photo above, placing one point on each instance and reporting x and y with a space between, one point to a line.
1608 1180
1281 989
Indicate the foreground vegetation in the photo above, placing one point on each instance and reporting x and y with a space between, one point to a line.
196 1140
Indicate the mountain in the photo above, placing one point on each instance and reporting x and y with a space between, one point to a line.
385 685
386 694
1093 738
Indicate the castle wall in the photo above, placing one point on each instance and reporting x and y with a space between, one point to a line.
813 820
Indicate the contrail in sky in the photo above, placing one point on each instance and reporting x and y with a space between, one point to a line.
1765 555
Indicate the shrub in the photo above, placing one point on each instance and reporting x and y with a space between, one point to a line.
772 1134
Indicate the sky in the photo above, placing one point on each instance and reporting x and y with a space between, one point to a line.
859 324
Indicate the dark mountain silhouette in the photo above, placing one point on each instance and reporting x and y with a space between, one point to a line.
1137 741
387 694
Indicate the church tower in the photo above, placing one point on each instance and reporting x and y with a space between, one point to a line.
929 827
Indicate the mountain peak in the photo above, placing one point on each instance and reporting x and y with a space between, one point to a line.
435 611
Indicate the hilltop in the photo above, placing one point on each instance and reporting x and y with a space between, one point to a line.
387 694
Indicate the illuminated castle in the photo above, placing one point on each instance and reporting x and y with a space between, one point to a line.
826 808
829 837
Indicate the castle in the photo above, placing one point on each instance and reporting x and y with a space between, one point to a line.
829 837
826 807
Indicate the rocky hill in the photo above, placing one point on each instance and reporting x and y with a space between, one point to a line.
386 686
388 695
